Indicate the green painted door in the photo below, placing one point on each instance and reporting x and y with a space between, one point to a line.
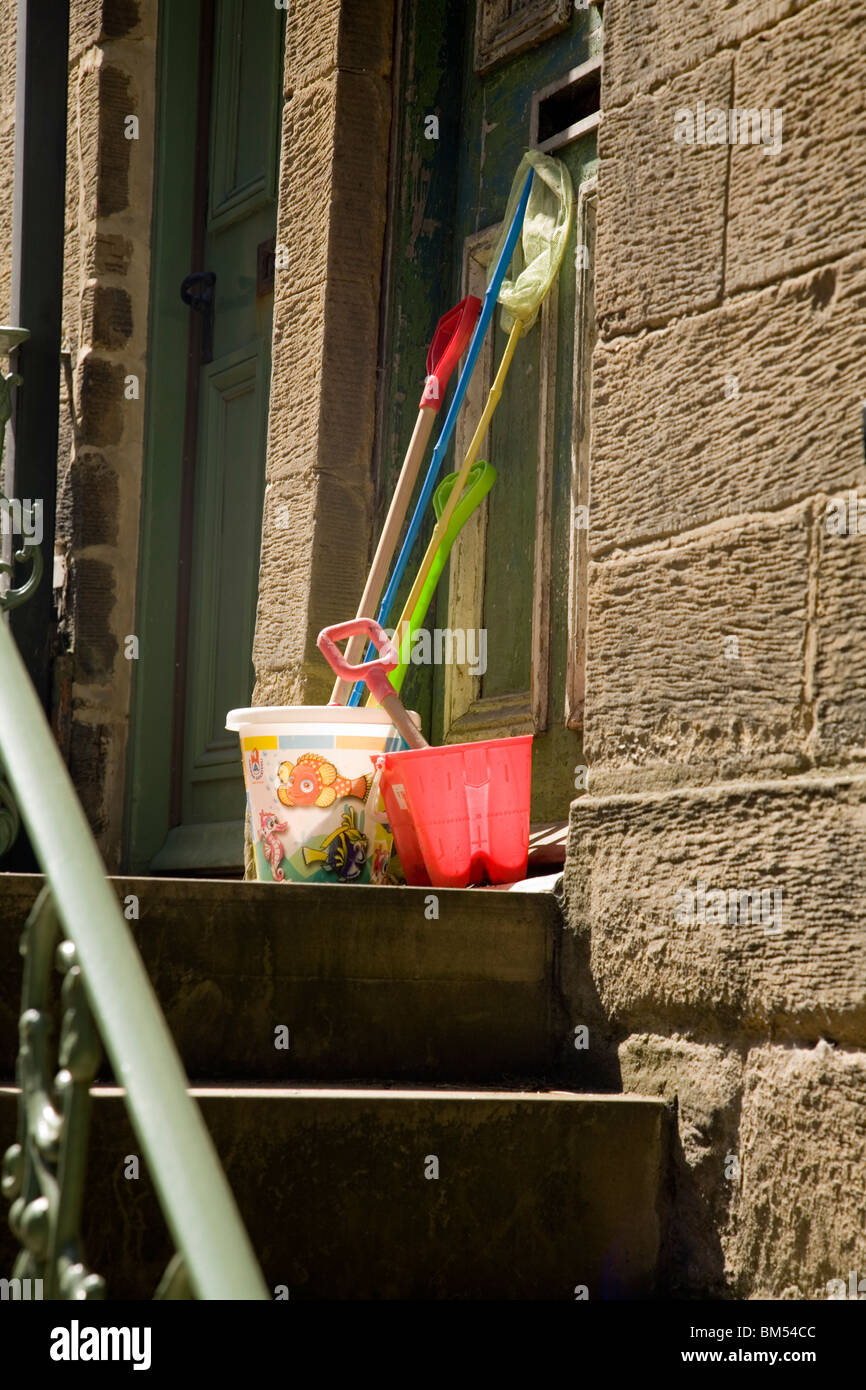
529 74
188 815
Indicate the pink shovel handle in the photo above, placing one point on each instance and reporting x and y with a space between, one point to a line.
375 673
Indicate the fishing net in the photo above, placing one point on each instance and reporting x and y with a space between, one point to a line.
541 244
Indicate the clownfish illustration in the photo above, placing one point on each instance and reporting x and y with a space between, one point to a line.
273 847
343 852
313 781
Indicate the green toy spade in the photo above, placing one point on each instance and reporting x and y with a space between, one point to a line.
481 478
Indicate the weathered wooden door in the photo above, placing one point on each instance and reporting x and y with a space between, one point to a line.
218 450
530 75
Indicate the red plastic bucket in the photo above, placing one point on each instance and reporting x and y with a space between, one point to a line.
461 812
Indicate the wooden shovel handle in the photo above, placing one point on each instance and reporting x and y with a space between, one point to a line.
397 713
388 542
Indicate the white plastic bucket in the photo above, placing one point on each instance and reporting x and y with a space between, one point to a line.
308 772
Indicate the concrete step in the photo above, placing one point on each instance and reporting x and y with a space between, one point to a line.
369 983
537 1196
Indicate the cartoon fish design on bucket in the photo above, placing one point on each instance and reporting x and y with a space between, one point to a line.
313 781
304 767
343 852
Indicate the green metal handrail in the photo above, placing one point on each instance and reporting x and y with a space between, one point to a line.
196 1200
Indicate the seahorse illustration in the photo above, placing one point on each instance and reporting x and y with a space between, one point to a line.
272 846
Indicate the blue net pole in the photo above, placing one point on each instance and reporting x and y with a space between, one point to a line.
487 308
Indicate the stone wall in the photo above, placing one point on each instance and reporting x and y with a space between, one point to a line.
726 689
112 57
332 207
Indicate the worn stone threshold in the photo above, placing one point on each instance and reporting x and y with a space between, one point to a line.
175 885
206 846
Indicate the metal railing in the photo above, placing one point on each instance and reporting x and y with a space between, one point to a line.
106 992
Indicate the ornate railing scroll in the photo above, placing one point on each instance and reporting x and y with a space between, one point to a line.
43 1172
105 994
10 339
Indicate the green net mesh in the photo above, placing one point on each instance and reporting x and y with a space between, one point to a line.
541 244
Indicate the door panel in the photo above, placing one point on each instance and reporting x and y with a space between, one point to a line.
220 511
526 583
504 583
523 574
225 571
513 444
233 391
244 127
516 569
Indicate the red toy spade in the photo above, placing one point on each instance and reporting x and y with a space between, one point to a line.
449 343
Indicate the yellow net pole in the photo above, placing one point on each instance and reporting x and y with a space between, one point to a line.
457 490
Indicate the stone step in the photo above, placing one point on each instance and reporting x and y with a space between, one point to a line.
369 982
538 1195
